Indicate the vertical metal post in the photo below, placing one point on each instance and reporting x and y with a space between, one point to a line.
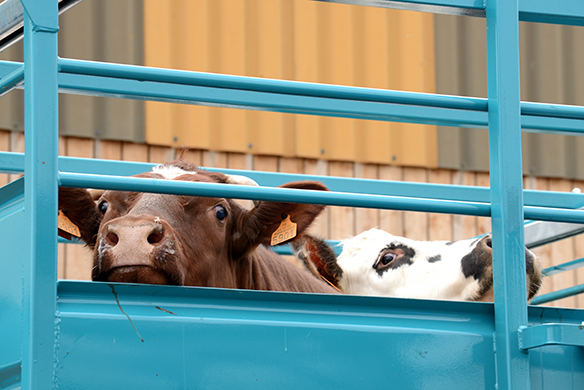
506 191
41 141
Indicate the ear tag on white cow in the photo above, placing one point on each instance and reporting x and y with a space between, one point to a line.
66 225
286 231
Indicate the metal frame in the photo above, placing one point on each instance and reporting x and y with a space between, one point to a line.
69 317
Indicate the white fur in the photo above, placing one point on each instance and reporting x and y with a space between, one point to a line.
171 172
442 279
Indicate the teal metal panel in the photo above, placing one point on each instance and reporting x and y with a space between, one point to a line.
12 230
169 337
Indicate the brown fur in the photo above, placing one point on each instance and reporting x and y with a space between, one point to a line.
187 242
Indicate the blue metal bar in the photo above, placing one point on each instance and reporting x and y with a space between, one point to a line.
551 334
10 375
12 20
276 102
568 12
11 81
272 194
300 196
554 296
214 89
569 266
258 84
41 141
14 162
506 195
286 250
142 73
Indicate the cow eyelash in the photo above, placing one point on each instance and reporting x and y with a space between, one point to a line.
385 259
102 206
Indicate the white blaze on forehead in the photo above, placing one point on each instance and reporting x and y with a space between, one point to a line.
171 172
441 279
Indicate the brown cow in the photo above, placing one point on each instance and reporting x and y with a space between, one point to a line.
189 240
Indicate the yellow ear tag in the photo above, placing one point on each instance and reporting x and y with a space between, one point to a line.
286 231
66 225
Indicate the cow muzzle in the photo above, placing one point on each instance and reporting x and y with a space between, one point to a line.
137 249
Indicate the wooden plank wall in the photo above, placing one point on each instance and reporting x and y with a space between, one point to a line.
336 222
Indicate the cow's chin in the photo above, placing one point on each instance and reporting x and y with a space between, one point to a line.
135 274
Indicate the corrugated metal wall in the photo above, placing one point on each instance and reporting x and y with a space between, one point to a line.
100 30
552 60
296 40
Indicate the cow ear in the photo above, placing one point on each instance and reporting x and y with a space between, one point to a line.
318 257
259 224
77 204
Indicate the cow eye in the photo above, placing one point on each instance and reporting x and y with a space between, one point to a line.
103 205
220 213
385 259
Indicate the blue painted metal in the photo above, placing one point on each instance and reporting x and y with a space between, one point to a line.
14 162
301 196
568 12
274 194
11 81
40 187
506 191
571 265
278 340
554 296
12 231
551 334
297 97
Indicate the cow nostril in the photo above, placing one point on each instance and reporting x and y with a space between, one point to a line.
155 237
112 238
489 242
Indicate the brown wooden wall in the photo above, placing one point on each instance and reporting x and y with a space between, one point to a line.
336 222
294 40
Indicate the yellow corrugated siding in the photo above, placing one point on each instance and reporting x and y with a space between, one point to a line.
297 40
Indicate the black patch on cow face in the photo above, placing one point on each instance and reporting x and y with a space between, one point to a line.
434 259
479 262
405 256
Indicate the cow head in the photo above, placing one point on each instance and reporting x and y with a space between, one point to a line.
378 263
171 239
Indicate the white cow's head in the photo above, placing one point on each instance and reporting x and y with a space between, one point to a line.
378 263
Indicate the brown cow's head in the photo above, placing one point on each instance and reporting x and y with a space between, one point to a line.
171 239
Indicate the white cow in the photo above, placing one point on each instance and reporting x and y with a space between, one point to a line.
378 263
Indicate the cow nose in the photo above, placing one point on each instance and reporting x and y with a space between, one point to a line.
151 233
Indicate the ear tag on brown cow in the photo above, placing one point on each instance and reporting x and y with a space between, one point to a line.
286 231
66 225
